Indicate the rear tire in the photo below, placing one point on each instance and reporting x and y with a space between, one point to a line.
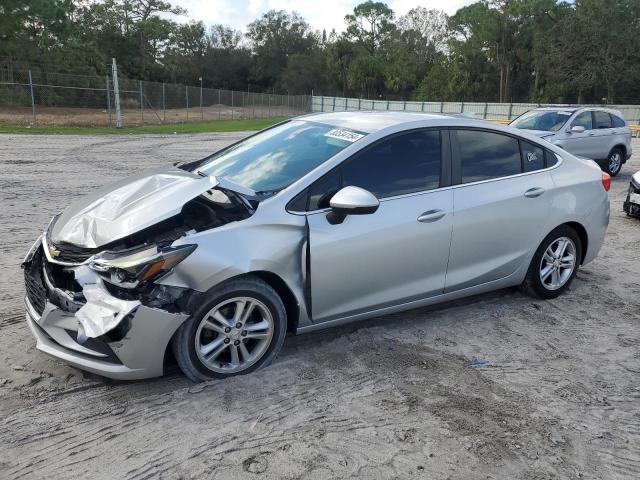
554 265
239 328
614 162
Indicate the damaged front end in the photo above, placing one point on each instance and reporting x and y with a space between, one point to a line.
96 304
631 205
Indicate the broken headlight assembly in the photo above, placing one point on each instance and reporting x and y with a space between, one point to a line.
131 268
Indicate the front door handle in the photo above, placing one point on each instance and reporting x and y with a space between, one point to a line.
534 192
431 216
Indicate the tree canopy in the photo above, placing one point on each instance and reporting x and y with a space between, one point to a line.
491 50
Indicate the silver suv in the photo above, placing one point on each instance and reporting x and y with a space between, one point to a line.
600 134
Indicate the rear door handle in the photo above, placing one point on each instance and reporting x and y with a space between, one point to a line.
431 216
534 192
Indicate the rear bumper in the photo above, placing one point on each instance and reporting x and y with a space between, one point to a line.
140 354
597 229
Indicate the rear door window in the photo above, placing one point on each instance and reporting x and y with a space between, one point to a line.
583 120
602 119
486 155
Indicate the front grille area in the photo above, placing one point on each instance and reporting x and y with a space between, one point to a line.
629 207
72 253
67 252
34 282
39 288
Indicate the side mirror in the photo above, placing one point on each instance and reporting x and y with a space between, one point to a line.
577 129
351 201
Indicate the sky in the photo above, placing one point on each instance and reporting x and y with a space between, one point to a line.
321 14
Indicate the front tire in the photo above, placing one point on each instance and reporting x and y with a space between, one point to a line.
614 162
239 328
555 264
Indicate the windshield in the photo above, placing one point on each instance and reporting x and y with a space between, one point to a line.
275 158
545 120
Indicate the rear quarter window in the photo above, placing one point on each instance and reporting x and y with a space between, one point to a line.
532 157
618 122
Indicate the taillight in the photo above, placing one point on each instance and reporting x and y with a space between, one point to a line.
606 181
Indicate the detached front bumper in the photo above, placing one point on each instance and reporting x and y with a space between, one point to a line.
140 354
137 352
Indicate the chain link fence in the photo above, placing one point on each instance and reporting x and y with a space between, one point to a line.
35 97
485 110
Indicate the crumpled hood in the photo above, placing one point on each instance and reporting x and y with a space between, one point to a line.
129 205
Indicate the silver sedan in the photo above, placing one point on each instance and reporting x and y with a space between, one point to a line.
314 222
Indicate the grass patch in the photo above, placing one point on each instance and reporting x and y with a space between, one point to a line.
195 127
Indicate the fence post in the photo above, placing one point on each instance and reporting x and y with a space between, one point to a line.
164 111
486 108
441 107
201 110
33 100
461 107
269 111
231 104
141 105
108 101
116 93
510 110
219 105
322 104
422 107
186 96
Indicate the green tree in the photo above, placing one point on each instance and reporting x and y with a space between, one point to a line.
370 25
275 36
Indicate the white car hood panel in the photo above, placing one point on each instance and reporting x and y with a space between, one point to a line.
129 205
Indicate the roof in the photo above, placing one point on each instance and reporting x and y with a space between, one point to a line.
574 109
555 109
368 122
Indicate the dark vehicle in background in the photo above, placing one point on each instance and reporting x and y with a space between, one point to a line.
600 134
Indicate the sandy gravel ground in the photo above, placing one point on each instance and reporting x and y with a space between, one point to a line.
558 396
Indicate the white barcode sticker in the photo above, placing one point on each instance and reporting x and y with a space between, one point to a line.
342 134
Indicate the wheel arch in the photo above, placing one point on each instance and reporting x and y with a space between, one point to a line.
286 294
582 234
623 148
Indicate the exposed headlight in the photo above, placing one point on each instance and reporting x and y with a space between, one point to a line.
131 268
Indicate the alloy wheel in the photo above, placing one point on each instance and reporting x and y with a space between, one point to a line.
558 263
234 335
615 162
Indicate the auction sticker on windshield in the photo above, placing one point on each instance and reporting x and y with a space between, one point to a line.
342 134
